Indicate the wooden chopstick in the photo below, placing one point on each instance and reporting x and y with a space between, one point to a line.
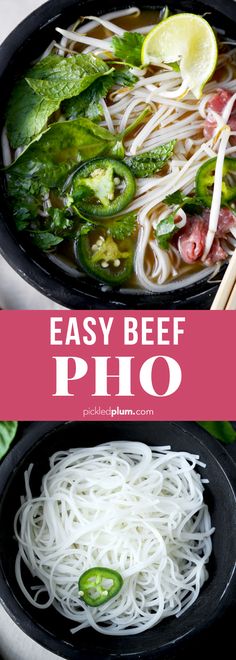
226 294
231 304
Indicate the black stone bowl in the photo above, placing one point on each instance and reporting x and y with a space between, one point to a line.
25 44
48 627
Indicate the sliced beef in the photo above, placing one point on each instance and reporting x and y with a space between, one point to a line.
218 103
191 239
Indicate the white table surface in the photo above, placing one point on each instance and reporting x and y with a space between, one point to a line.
17 294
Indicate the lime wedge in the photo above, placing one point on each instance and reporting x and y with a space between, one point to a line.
189 40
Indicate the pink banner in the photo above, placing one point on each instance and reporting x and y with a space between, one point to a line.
103 365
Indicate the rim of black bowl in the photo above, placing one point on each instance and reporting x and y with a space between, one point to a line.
34 266
31 438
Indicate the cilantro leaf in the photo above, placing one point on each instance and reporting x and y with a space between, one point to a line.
223 431
44 239
7 434
174 198
150 162
48 82
128 47
191 205
124 77
120 228
165 231
59 221
123 227
86 227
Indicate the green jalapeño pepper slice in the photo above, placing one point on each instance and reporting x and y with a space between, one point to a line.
102 187
103 257
98 585
205 181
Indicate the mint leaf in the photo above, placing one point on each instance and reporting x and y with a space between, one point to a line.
123 227
165 231
50 81
27 114
128 47
223 431
152 161
87 104
60 78
7 434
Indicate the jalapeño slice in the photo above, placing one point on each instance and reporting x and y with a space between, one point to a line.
205 181
102 187
104 257
98 585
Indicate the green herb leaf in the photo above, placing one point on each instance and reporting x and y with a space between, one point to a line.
59 222
45 240
128 47
123 227
27 114
48 160
7 434
47 83
191 205
60 78
174 198
175 66
87 104
87 227
25 208
223 431
124 77
152 161
165 231
46 163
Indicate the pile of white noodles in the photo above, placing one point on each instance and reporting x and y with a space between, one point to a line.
120 505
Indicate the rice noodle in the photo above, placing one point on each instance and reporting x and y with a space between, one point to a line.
81 39
216 196
125 506
120 13
106 24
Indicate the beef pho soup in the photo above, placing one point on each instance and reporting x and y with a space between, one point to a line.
120 150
